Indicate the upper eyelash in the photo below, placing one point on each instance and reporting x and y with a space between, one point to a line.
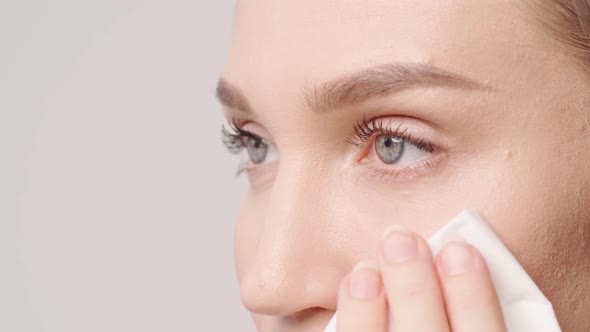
232 138
365 129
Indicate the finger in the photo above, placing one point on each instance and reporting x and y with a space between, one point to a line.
411 284
470 297
361 302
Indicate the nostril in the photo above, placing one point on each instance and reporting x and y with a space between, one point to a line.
314 316
264 293
302 315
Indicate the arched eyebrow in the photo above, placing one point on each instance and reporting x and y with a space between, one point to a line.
232 97
358 87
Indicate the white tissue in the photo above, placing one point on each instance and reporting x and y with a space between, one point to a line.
524 306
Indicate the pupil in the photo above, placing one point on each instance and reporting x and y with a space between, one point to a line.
389 148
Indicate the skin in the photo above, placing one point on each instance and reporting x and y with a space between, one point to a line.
516 150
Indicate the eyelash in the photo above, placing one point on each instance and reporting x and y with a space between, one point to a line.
232 138
366 129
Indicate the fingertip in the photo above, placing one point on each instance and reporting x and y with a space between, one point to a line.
458 257
361 301
468 289
364 284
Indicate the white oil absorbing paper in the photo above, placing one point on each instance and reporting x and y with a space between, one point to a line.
524 306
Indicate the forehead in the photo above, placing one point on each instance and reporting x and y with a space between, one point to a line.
284 44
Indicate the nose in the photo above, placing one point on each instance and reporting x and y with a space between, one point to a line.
299 258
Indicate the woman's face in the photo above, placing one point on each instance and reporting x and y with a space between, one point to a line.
361 114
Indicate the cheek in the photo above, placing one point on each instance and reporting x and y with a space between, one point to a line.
542 214
547 228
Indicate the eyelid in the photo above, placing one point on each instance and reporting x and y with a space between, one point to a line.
257 130
238 131
244 130
414 132
366 131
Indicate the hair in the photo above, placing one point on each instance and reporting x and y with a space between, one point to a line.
568 23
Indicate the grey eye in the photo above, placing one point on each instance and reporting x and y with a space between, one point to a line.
257 149
389 148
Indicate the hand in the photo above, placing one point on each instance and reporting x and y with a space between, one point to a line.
452 293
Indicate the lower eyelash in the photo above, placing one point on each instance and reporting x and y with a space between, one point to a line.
242 167
408 172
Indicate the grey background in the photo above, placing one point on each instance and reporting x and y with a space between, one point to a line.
117 200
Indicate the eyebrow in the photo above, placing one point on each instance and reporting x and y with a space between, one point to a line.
358 87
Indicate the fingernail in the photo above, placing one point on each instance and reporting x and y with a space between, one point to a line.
364 282
368 264
395 228
457 258
399 246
